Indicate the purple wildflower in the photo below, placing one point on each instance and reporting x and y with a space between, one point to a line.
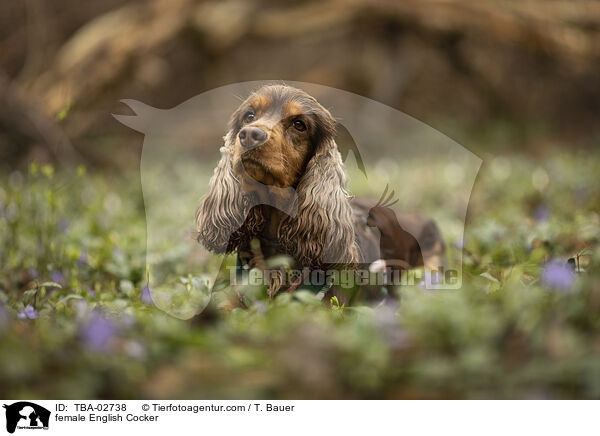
91 292
29 312
99 332
146 295
542 213
558 275
83 259
58 277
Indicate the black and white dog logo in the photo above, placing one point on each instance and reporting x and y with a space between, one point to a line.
26 415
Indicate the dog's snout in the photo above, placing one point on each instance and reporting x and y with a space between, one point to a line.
251 137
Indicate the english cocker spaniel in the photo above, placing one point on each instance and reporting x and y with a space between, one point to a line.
281 181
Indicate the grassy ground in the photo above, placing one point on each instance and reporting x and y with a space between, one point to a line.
76 319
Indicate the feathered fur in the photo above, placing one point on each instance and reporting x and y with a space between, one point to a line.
321 232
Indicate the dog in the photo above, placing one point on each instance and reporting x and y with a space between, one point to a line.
281 181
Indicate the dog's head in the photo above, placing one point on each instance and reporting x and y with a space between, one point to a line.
283 140
276 131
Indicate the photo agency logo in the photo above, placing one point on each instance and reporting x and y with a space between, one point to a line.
25 415
276 185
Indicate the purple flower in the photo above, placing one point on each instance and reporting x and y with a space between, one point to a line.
99 332
558 275
146 295
91 292
29 312
58 277
542 213
83 259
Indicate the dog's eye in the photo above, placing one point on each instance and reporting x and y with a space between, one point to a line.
299 125
249 117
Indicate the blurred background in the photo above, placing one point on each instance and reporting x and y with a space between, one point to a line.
515 82
493 75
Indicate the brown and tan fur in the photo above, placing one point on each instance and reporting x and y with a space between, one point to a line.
300 153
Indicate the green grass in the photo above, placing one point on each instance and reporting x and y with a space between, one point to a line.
73 248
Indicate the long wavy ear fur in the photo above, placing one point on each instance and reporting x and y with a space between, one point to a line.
322 232
220 217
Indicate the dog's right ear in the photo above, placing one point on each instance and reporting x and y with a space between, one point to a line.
223 210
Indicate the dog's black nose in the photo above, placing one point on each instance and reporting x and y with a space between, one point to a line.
251 137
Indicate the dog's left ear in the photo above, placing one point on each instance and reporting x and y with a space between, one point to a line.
322 232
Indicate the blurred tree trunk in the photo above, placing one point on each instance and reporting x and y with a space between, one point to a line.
26 132
474 62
